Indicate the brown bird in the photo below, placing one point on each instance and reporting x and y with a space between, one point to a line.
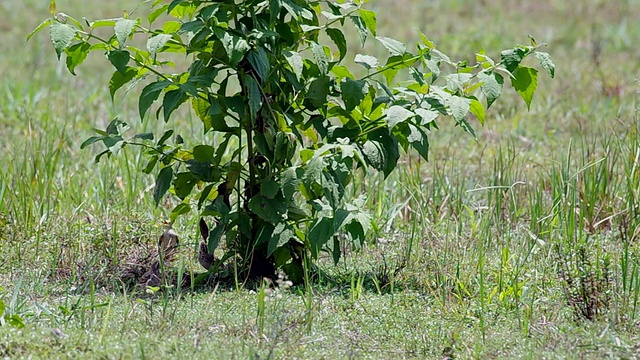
204 258
168 245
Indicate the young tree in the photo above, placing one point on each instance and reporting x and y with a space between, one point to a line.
292 122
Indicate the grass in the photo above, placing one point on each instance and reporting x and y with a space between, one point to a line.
521 244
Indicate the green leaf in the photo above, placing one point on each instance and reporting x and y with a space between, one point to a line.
155 43
214 237
320 57
360 27
163 183
319 234
525 82
491 86
39 28
395 47
269 188
270 210
397 114
61 36
119 59
235 47
478 110
458 107
296 10
118 79
76 54
367 61
512 58
254 96
546 63
338 38
295 61
318 92
123 29
353 92
149 94
289 182
381 151
171 101
201 107
369 18
342 72
260 62
180 209
183 184
419 141
153 15
280 237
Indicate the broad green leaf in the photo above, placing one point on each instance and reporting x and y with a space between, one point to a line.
155 43
295 61
318 92
260 62
338 38
275 6
458 107
269 188
61 36
235 47
119 59
289 182
353 92
280 237
546 63
367 61
76 54
369 19
269 210
171 101
342 72
525 82
201 108
156 13
397 114
123 29
183 184
360 27
395 47
512 58
149 94
381 151
163 183
478 110
214 237
254 97
426 116
180 209
297 11
319 234
491 86
203 153
320 57
118 79
171 27
419 141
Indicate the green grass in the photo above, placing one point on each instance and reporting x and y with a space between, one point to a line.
521 244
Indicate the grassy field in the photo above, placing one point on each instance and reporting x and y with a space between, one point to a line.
522 244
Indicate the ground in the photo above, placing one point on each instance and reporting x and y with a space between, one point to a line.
522 243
